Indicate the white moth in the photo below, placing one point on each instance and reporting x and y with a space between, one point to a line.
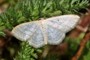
49 31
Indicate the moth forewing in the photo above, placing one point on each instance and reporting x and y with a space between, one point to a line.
24 30
65 22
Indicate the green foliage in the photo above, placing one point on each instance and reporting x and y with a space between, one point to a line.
27 52
29 10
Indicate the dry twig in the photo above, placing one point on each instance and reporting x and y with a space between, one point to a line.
82 45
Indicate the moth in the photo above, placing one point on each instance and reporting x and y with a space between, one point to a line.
47 31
